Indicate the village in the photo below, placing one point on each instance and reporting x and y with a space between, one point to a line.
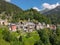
26 26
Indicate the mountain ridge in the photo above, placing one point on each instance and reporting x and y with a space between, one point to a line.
54 14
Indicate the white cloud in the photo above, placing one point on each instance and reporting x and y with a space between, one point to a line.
8 0
47 5
36 8
50 6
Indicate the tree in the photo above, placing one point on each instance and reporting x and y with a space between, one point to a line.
44 36
57 37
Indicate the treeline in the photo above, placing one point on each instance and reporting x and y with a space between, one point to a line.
32 15
54 17
49 37
38 37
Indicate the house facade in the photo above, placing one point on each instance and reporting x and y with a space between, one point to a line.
27 26
3 22
13 27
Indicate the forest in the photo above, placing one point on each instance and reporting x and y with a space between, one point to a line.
37 37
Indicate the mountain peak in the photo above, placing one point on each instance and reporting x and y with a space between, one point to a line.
47 10
54 14
58 6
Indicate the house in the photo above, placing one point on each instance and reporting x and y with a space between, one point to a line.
26 26
13 27
40 26
48 26
3 22
52 27
30 26
19 26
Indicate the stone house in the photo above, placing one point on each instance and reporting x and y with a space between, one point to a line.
40 26
27 26
3 22
30 26
13 27
52 27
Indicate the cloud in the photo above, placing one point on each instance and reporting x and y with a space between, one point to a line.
8 0
36 8
50 6
47 6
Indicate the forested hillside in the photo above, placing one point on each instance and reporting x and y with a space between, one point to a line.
14 14
7 10
37 37
33 15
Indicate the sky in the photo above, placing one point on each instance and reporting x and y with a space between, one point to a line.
35 4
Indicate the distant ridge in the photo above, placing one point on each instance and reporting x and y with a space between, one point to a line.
53 14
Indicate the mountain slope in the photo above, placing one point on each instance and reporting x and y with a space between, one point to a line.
44 11
6 6
7 10
54 14
55 10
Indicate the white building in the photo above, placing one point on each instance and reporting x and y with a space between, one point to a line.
40 26
3 22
